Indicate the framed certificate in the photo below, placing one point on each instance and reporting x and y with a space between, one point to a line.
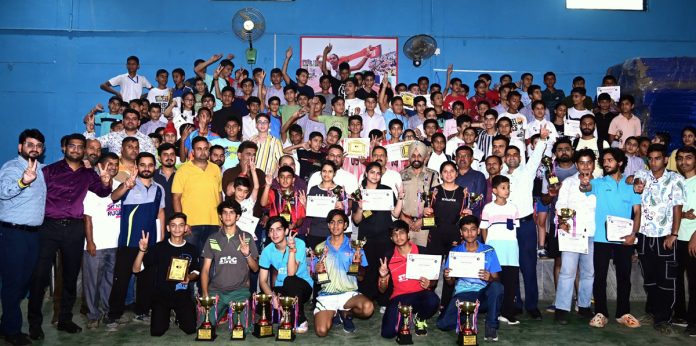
618 227
397 151
320 206
376 200
613 91
426 266
357 147
178 269
466 264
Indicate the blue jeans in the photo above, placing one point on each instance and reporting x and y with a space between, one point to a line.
19 252
566 279
424 303
527 242
490 298
199 234
97 279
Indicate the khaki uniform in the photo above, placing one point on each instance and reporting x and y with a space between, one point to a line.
414 186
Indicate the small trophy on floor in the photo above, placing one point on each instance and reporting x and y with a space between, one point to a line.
404 336
263 327
285 330
206 332
467 330
238 332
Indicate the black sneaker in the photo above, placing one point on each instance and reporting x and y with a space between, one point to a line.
535 314
561 317
491 334
679 322
348 325
69 327
337 319
585 313
36 333
20 339
691 330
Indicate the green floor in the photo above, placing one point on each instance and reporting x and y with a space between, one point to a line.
527 333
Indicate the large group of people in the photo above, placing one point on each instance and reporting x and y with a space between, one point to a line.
223 171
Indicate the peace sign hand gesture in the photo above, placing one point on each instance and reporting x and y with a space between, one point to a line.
144 241
383 269
29 174
244 245
130 182
291 239
303 198
104 175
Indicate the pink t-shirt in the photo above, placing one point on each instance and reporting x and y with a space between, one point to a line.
628 127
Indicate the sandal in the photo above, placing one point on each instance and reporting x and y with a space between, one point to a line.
599 321
629 321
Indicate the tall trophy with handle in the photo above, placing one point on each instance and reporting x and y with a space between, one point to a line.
206 332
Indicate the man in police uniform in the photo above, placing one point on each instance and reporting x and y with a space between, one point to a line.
417 181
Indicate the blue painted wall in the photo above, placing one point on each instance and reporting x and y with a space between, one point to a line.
55 53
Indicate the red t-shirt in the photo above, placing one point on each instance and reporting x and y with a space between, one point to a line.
450 99
397 267
297 210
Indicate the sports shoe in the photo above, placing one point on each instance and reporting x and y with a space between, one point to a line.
69 327
302 328
421 326
510 320
690 330
111 325
561 317
491 334
125 318
536 314
337 319
551 308
679 322
36 333
92 324
144 318
541 253
348 325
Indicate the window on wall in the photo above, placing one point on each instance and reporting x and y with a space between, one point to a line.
625 5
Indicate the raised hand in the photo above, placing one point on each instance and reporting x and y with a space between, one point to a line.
104 175
269 179
327 49
261 77
29 174
288 53
303 198
450 69
216 57
291 239
144 241
98 108
544 132
187 131
217 72
244 245
230 56
383 268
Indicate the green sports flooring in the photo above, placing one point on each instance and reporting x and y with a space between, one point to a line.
529 332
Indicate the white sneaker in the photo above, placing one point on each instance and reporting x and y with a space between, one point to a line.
510 321
302 328
382 310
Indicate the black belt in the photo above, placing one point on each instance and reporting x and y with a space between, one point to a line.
19 227
64 222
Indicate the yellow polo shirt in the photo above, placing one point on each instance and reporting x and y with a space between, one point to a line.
200 192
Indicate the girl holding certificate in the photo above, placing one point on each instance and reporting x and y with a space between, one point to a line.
374 228
319 230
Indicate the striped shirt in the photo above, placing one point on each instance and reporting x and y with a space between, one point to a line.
485 143
270 150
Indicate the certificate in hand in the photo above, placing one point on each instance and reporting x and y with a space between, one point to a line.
320 206
397 151
573 241
613 91
466 264
376 200
618 227
248 223
571 128
357 147
426 266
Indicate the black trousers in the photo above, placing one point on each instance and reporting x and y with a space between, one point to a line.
68 236
183 306
621 255
375 249
123 269
659 267
293 286
686 263
510 278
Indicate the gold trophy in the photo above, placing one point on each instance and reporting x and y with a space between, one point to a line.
263 328
357 245
206 332
322 276
467 331
547 162
565 215
357 196
238 332
285 330
404 336
285 210
427 198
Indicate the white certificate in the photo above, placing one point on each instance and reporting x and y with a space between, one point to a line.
573 243
466 264
618 227
613 91
357 147
247 223
397 151
426 266
377 200
320 206
571 128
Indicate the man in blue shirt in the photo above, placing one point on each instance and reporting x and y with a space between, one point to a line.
487 288
289 257
615 197
22 201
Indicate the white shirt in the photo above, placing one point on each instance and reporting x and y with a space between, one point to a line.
393 180
248 128
131 88
159 96
569 196
356 103
522 181
436 160
534 127
371 123
519 124
106 219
